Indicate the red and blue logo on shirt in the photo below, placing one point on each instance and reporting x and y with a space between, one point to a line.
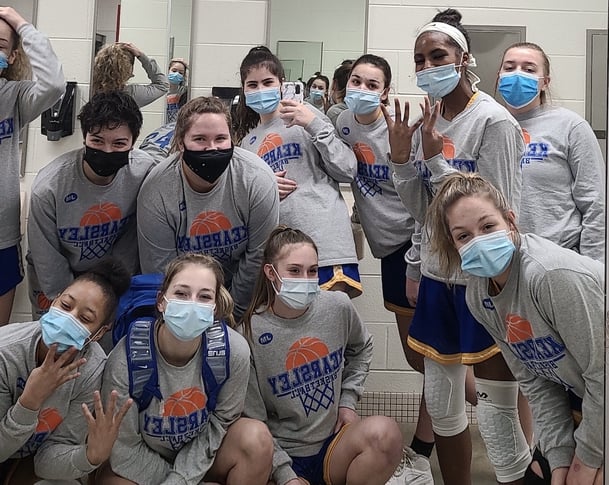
534 152
449 152
182 416
276 153
369 174
212 232
311 369
48 420
99 228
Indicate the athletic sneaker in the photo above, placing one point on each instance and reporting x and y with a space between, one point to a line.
413 469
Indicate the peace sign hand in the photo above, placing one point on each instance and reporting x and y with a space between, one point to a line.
400 133
432 139
103 427
52 373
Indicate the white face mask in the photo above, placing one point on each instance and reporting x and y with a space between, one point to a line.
297 293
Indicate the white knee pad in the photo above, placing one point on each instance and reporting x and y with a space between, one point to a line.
497 413
445 397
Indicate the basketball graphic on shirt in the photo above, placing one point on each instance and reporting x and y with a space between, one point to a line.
100 214
100 226
364 153
305 350
184 402
269 143
208 222
48 420
367 177
448 148
526 135
518 328
43 301
310 351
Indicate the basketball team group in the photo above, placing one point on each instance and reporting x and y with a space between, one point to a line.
191 298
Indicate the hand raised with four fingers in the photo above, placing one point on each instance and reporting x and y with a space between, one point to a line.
104 426
400 132
432 138
52 373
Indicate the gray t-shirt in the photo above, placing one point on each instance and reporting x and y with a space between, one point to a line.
74 223
175 440
144 94
22 102
548 321
563 181
303 370
55 434
231 222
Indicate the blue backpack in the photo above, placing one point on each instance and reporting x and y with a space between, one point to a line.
135 320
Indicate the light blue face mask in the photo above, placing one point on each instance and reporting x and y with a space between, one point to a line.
438 81
175 77
297 293
518 88
62 328
187 320
488 255
361 101
263 101
316 94
3 60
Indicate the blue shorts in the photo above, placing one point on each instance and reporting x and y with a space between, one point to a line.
393 279
12 268
443 328
341 273
314 468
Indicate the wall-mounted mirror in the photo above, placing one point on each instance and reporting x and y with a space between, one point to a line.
163 33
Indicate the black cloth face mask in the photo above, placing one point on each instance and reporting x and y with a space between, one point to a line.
208 164
105 164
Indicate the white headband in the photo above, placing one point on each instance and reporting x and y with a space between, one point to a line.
453 33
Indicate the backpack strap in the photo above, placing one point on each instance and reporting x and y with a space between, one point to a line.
141 363
216 361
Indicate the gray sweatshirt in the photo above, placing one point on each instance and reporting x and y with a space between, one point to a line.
483 138
303 370
548 321
231 222
385 221
563 181
55 434
174 441
317 160
74 223
158 143
144 94
22 102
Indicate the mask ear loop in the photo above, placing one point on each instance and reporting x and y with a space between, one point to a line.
273 283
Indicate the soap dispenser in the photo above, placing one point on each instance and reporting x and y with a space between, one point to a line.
58 120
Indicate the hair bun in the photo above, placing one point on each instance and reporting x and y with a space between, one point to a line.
449 16
115 273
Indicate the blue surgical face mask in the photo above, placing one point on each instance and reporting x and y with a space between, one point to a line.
297 293
263 101
187 320
63 329
438 81
361 101
518 88
175 77
316 94
3 60
487 256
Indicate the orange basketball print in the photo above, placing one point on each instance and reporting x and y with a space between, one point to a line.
364 153
448 148
518 328
42 301
101 213
526 135
184 402
270 142
208 222
305 350
48 420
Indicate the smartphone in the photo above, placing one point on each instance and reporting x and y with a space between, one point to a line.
292 90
